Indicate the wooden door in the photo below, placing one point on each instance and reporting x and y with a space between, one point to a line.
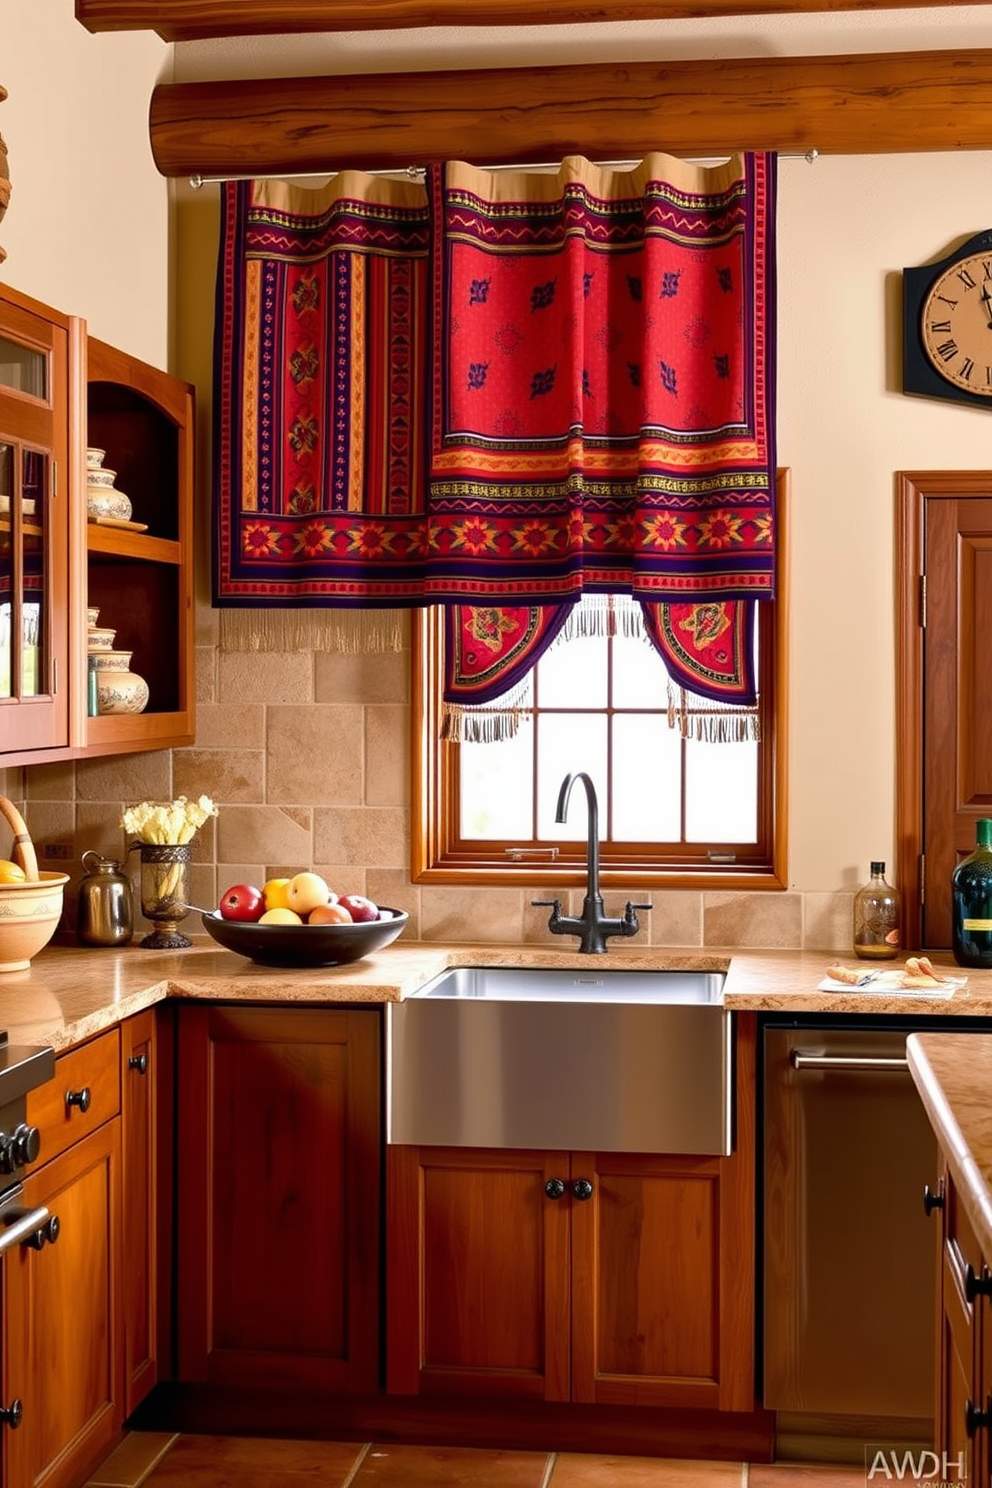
646 1281
477 1273
147 1148
663 1265
35 496
62 1331
278 1197
944 736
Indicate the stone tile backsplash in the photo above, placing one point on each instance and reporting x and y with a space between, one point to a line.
308 758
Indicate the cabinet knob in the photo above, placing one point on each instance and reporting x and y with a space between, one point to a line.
80 1098
582 1188
932 1200
49 1232
976 1285
138 1062
975 1419
554 1188
20 1148
11 1414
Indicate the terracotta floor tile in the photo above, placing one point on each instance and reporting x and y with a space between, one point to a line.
131 1462
255 1462
802 1475
590 1471
388 1466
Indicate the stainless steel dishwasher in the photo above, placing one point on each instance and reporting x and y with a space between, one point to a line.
849 1255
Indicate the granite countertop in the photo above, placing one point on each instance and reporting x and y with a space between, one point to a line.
71 993
953 1073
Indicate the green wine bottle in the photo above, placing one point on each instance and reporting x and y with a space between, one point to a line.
971 901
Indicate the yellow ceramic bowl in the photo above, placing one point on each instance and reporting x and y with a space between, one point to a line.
29 917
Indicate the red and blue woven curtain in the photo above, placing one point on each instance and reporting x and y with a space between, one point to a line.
505 389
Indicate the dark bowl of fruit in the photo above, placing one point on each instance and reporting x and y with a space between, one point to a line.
264 925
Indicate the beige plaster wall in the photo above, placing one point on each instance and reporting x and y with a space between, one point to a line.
307 755
87 229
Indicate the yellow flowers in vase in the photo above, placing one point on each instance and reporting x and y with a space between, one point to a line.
163 834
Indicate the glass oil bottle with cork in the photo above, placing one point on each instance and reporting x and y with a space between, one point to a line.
877 912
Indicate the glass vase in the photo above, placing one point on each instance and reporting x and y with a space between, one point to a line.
165 893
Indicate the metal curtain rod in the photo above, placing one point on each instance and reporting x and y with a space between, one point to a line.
418 171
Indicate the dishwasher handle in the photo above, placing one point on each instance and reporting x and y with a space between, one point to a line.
858 1063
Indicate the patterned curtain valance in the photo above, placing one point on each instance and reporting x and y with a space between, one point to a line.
501 388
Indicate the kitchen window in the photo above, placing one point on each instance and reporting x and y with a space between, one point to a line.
675 812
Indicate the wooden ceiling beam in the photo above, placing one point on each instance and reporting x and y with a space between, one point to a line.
846 105
194 20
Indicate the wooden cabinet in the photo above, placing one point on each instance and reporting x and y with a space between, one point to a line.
964 1373
608 1279
278 1201
59 392
40 435
146 1119
142 581
505 1280
62 1319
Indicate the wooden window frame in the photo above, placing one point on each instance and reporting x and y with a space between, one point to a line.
433 859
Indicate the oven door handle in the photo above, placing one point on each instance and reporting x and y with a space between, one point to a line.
867 1064
26 1223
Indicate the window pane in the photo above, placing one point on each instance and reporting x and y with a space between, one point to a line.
639 676
568 743
572 674
647 778
721 792
497 787
23 368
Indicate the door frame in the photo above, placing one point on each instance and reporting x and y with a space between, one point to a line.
913 489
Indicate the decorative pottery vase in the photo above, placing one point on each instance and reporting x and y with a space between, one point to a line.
164 892
118 689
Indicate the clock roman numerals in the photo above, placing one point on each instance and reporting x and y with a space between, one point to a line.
954 328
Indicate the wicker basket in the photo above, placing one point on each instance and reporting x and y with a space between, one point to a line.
29 911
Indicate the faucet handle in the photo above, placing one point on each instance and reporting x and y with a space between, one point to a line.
639 906
546 903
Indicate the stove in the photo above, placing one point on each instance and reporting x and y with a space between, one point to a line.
22 1069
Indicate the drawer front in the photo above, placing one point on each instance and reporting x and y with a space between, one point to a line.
91 1074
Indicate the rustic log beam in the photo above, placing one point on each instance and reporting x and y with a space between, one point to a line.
848 105
193 20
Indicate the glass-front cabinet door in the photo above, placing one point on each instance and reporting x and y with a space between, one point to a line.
34 529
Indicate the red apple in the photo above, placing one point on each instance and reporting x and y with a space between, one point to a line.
360 908
242 902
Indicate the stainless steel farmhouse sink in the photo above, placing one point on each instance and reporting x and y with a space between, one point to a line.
558 984
601 1060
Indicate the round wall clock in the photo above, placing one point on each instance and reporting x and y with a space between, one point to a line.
947 325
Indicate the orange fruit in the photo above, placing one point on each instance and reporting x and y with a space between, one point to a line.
274 893
11 873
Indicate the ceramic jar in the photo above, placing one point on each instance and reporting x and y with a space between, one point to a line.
118 689
102 497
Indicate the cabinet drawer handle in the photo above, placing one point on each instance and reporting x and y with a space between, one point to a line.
11 1414
932 1200
138 1062
80 1098
975 1285
582 1189
48 1232
554 1188
975 1419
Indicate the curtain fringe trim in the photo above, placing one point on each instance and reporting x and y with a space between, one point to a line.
488 724
712 723
603 615
352 632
